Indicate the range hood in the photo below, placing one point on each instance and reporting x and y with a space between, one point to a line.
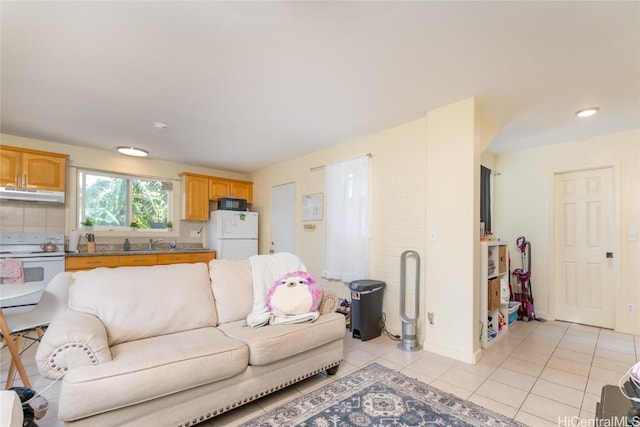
31 195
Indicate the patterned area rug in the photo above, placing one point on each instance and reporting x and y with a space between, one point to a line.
379 396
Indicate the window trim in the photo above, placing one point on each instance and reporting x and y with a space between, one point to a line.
125 230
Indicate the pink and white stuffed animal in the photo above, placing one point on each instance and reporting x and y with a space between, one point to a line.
294 293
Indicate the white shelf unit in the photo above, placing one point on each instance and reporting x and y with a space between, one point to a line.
494 292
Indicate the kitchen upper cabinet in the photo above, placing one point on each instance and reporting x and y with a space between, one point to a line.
242 190
9 168
199 189
222 187
195 197
24 168
219 187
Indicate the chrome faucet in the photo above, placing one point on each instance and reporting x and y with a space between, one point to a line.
152 243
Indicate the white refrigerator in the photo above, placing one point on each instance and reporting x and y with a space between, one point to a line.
233 234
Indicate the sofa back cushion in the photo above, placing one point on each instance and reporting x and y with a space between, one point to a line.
232 286
142 302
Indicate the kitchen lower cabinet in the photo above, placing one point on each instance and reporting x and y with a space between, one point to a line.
76 263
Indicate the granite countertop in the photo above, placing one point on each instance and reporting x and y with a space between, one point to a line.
138 252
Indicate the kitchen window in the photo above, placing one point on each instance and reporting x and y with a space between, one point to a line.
114 201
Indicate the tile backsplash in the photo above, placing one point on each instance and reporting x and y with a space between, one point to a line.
32 217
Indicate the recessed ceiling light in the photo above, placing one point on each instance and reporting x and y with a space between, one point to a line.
133 151
587 112
159 125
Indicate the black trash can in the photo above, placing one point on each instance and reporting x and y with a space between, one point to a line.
366 308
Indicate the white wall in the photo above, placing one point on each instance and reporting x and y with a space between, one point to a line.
525 207
398 205
402 175
452 218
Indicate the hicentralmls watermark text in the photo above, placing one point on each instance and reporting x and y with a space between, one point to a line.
576 421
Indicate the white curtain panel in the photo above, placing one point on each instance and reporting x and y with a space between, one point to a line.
346 249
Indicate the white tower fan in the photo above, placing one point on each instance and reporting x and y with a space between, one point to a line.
409 325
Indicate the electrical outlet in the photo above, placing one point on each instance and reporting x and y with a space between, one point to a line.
194 233
630 308
430 317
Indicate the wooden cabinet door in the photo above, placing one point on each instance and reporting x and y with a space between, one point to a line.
195 198
9 168
43 172
218 188
242 190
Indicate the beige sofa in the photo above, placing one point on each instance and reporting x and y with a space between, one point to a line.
166 345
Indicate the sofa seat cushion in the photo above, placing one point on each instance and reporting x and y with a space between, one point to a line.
142 302
149 368
272 343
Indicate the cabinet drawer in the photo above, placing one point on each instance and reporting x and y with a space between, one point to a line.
202 257
132 260
89 262
173 258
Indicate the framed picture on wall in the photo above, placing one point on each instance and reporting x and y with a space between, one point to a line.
312 207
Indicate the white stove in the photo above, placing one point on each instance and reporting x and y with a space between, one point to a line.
38 266
17 244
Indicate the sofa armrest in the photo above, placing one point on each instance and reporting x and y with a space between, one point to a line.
73 339
329 302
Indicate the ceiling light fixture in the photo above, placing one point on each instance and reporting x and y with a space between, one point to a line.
159 125
587 112
133 151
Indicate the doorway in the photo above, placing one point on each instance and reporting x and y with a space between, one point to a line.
283 218
585 240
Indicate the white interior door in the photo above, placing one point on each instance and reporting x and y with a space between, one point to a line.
586 265
283 218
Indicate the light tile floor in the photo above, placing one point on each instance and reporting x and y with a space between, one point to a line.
540 374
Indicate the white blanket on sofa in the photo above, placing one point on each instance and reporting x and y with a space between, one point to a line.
266 269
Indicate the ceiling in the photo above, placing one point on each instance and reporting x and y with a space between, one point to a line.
243 85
